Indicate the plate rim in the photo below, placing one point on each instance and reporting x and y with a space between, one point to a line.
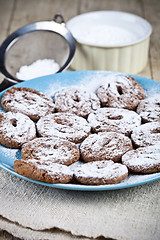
78 187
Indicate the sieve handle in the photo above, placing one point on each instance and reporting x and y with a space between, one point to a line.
58 18
5 84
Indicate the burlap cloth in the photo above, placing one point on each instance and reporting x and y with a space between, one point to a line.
31 211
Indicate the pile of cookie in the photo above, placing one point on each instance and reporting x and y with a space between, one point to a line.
80 136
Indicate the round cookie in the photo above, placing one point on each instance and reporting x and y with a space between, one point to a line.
43 171
120 92
27 101
114 120
16 129
149 109
100 173
54 150
146 134
77 101
143 159
64 125
105 146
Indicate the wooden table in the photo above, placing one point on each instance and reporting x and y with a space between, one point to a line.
16 13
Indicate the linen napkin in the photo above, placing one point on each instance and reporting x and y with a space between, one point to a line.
31 211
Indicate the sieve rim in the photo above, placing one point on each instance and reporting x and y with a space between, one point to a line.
51 26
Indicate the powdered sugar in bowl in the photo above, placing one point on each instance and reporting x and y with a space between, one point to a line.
110 40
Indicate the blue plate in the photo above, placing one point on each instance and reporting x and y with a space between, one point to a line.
90 79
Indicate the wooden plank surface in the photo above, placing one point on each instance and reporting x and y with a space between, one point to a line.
6 14
152 14
16 13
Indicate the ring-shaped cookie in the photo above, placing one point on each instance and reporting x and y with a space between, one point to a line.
28 101
146 134
64 125
43 171
105 146
53 150
16 129
78 101
114 120
149 109
143 159
120 92
100 173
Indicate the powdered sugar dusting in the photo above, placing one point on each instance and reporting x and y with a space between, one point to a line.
28 101
146 134
105 171
105 146
16 128
112 119
120 92
64 125
144 159
90 82
152 91
76 100
149 108
139 178
54 150
52 169
9 155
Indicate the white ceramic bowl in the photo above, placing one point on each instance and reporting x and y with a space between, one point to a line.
110 40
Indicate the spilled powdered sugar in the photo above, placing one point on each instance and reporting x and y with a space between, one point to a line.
139 178
90 83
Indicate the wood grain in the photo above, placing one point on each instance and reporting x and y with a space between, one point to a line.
152 14
6 14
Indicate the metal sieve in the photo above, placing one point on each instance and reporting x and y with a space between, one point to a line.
39 40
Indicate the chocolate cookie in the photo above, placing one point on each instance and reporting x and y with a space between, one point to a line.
77 101
64 125
53 149
149 109
143 159
16 129
120 92
27 101
114 120
43 171
100 173
105 146
146 134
